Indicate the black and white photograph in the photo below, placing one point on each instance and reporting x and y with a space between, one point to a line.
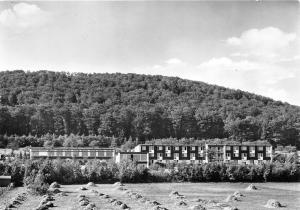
150 105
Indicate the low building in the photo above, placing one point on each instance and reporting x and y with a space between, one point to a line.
70 152
141 158
5 181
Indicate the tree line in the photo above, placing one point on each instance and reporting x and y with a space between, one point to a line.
142 107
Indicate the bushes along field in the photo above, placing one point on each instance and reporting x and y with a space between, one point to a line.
38 174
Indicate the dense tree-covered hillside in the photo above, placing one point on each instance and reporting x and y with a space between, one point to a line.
139 106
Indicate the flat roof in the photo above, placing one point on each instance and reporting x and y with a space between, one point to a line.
71 148
214 143
142 153
175 144
5 177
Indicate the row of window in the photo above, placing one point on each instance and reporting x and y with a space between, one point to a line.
245 155
244 148
193 148
137 157
176 155
168 148
74 153
193 155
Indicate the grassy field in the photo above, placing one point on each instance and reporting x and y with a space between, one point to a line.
286 193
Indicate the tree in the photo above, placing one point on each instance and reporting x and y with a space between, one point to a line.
210 124
108 125
5 119
128 145
244 129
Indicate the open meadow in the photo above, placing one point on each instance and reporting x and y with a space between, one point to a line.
149 196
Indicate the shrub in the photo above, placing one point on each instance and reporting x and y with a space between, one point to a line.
27 172
39 186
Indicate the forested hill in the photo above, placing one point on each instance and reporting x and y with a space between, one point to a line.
139 106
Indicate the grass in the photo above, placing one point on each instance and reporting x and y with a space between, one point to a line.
286 193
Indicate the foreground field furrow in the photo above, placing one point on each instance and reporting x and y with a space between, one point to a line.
172 196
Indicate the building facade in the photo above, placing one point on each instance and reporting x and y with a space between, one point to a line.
175 153
250 153
148 154
141 158
69 152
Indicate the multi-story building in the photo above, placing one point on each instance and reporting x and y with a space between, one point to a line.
173 153
243 153
234 153
70 152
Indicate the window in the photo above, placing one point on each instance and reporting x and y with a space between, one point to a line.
51 153
244 155
260 148
268 154
144 148
110 154
184 155
92 153
75 153
268 149
176 155
228 155
151 148
220 156
193 148
168 148
59 153
235 148
228 147
192 155
219 148
252 154
236 154
151 154
176 148
260 155
160 148
168 154
244 148
185 148
252 149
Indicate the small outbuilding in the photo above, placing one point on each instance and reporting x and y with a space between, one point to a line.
5 181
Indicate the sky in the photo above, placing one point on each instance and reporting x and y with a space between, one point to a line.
248 45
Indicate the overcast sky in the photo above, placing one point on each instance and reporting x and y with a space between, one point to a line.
252 46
